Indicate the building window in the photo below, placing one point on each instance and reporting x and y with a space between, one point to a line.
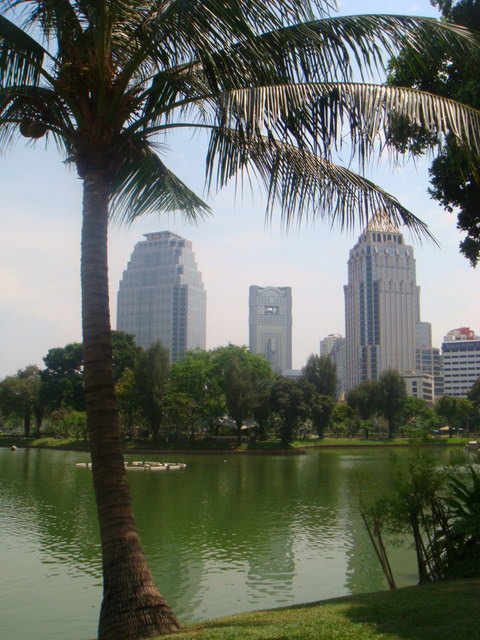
270 310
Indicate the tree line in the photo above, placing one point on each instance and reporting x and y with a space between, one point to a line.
227 391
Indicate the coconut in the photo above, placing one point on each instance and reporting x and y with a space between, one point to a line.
32 128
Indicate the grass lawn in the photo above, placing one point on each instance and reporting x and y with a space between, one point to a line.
441 611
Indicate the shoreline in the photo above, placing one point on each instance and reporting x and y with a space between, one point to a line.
299 450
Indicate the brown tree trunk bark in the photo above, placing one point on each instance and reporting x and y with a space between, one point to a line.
132 606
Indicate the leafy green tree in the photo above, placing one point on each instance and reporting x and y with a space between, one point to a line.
20 397
419 418
455 411
392 395
364 398
321 372
320 406
439 509
270 83
241 374
454 181
343 416
128 401
474 396
195 394
151 379
288 402
62 378
126 353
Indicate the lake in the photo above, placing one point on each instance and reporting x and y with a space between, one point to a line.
225 535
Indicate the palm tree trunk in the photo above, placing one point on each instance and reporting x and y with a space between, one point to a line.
132 606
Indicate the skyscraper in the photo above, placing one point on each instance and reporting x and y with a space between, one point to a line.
161 295
270 325
382 307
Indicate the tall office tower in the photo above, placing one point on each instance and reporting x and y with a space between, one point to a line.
461 361
382 315
161 295
270 325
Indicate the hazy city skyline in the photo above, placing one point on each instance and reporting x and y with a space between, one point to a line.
39 261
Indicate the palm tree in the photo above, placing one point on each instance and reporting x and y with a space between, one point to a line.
270 82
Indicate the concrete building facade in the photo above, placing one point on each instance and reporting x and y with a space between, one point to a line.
161 295
461 361
270 325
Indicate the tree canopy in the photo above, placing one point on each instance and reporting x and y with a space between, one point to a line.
455 181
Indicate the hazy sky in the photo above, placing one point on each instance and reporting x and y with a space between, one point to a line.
40 203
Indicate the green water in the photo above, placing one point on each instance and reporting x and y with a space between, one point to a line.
222 536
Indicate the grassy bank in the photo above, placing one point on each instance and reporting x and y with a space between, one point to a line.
200 446
441 611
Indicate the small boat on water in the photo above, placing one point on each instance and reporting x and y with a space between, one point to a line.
141 465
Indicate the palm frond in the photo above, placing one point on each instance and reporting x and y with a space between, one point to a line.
241 53
321 117
303 185
327 50
143 184
21 57
57 19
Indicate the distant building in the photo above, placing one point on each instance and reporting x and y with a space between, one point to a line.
333 346
419 385
382 307
328 343
428 359
161 295
270 325
461 361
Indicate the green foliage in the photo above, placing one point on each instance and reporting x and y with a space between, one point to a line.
62 378
150 380
392 396
321 372
289 401
455 181
128 401
454 410
364 398
66 423
195 394
20 397
243 378
440 510
126 353
344 420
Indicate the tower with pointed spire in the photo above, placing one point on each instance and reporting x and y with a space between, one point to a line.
382 304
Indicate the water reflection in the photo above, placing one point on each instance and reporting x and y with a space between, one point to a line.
222 536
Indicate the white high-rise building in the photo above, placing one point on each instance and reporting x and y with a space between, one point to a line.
461 361
161 295
382 308
329 342
270 325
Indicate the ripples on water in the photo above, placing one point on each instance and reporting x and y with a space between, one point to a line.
221 537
